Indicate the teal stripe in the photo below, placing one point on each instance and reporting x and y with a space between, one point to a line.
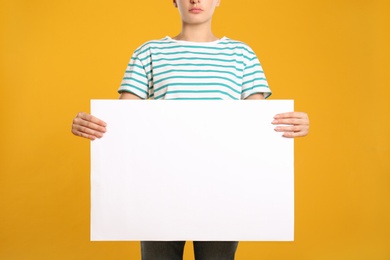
196 58
136 80
135 65
197 77
148 67
253 66
197 84
252 59
230 41
196 91
251 74
197 65
134 72
134 87
252 81
197 71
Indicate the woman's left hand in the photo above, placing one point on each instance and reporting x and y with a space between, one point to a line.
295 124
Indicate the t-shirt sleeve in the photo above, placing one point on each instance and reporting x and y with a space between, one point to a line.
135 79
254 80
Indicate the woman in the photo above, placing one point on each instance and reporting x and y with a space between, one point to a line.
193 65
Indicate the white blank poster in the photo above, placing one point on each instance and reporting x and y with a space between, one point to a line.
192 170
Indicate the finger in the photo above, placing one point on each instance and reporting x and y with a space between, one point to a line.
86 131
291 121
295 134
289 129
89 124
291 115
91 118
293 131
84 135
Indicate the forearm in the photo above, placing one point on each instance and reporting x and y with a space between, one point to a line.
257 96
128 95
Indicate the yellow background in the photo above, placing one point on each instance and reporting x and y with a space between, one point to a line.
330 56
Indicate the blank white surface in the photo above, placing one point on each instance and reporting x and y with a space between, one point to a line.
192 170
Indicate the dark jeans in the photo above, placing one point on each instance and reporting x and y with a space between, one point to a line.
173 250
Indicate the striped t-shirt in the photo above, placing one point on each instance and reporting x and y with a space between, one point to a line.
173 69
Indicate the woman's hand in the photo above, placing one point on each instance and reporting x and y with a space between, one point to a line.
88 126
296 124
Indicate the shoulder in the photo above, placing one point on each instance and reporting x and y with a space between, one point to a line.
237 45
152 44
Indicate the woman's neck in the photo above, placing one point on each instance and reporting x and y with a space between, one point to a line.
196 33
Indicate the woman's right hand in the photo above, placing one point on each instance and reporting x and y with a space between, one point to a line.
88 126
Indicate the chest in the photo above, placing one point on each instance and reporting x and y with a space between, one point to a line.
196 72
